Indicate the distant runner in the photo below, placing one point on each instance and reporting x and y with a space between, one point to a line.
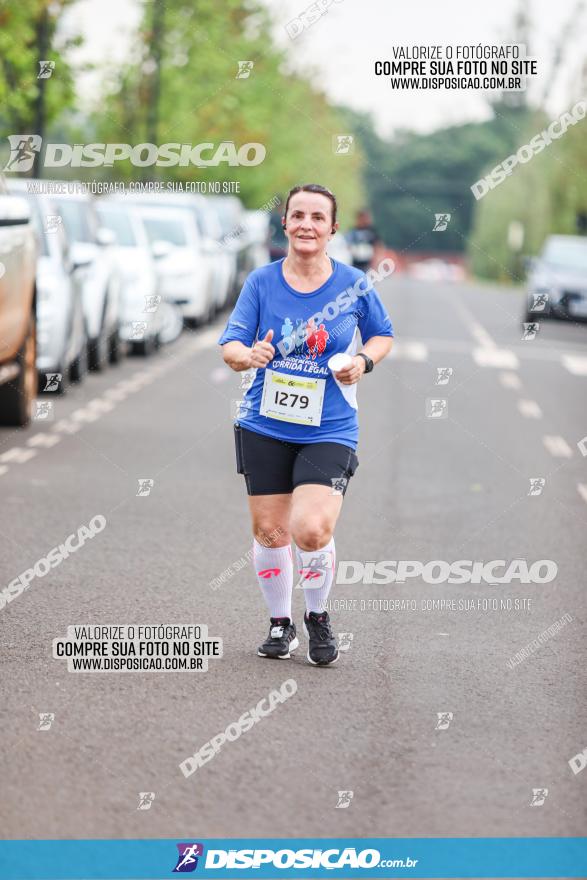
362 239
296 439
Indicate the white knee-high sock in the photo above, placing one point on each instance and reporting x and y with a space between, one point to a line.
274 568
316 573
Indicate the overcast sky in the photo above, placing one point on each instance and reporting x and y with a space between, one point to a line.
338 51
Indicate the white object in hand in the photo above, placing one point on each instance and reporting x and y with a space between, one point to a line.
339 361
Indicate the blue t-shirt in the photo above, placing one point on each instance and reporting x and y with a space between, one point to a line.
308 328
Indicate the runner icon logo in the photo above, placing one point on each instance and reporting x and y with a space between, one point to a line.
441 222
444 719
539 795
187 859
146 798
537 484
344 799
46 719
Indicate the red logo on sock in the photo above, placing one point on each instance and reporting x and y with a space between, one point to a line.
308 574
269 572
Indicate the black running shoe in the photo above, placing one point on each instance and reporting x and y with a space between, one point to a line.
281 639
322 649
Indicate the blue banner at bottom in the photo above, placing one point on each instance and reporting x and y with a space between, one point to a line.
381 857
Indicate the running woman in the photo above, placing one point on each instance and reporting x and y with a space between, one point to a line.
297 436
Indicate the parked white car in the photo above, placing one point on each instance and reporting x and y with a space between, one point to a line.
18 327
142 307
257 226
61 332
184 277
91 251
217 262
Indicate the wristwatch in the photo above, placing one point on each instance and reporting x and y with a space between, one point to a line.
368 362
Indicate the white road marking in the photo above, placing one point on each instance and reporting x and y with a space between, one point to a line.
409 351
3 469
495 357
477 331
17 455
510 380
529 409
575 364
557 446
44 440
582 489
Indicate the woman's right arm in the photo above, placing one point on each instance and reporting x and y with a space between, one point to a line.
240 357
237 355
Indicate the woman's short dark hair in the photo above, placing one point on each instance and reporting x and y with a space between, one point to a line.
313 188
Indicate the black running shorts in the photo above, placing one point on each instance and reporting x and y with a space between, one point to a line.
274 467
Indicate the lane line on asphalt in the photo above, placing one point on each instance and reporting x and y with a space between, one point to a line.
501 358
529 409
575 364
582 490
510 380
409 351
94 409
557 446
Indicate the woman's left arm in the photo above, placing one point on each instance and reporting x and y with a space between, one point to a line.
376 348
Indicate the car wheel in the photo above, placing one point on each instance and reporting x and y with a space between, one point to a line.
16 397
114 348
143 348
98 352
79 366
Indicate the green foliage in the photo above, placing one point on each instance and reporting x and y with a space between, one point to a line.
202 100
20 25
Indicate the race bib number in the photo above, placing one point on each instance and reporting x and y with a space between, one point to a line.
292 398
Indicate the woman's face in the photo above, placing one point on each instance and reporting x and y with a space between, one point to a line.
309 223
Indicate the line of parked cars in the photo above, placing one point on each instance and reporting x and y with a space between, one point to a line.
84 281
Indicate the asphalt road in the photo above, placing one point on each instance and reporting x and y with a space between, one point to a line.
426 489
